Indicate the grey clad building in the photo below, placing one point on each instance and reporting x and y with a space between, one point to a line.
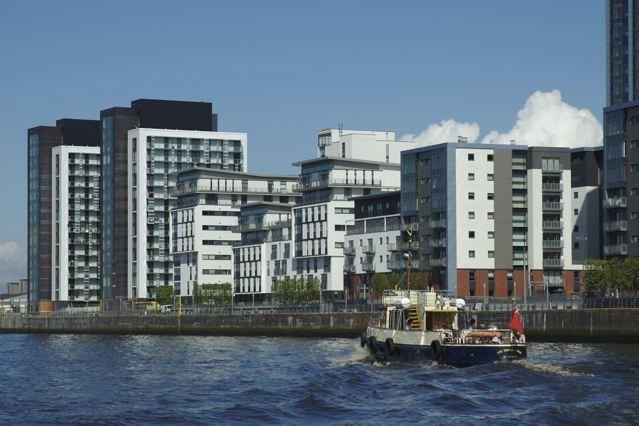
621 130
116 123
41 140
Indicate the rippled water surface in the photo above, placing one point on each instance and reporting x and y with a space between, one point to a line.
152 379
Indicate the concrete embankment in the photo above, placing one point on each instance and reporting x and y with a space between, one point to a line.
298 324
574 325
570 325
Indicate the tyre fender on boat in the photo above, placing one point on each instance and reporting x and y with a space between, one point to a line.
372 344
391 349
436 347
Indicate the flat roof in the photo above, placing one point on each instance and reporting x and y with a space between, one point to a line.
207 170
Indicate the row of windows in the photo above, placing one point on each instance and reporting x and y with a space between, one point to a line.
218 242
490 215
489 177
489 157
216 272
216 257
491 254
489 196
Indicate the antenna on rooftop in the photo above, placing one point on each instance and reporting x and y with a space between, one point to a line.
340 127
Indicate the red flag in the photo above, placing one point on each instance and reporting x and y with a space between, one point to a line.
515 321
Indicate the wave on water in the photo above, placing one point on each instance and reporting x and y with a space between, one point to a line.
551 369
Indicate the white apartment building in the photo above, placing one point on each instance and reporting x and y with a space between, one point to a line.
155 156
204 221
264 255
75 237
489 218
328 184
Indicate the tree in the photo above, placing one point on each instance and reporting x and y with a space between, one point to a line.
311 291
214 294
614 275
631 275
595 276
164 295
380 283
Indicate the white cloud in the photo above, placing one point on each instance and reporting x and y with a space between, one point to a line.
446 131
13 263
546 120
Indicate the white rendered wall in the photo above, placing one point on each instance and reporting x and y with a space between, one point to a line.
481 225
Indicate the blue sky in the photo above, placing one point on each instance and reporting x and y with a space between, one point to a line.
281 70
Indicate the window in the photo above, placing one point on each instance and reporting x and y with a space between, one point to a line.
471 254
491 196
491 235
471 157
471 234
471 195
634 239
490 157
491 254
575 229
471 215
575 195
340 227
575 246
634 215
490 177
491 215
576 211
471 176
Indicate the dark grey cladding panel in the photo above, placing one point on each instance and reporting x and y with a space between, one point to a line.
503 209
183 115
80 132
586 167
535 154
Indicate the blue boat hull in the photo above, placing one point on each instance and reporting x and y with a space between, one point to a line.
457 355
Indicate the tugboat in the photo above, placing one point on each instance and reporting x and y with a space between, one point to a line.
424 325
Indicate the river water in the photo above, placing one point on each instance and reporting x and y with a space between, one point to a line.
74 379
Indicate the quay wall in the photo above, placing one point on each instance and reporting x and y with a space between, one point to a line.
570 325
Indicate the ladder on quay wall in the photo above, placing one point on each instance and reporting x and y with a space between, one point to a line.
413 316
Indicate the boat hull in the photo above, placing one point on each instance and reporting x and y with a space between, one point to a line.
458 355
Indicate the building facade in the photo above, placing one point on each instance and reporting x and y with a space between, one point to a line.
371 240
41 140
116 123
75 237
264 254
155 158
491 220
204 222
350 164
621 130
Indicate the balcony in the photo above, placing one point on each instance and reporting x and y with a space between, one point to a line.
349 269
616 226
437 262
368 267
410 227
397 264
615 202
434 224
349 251
304 185
552 170
616 250
255 225
553 263
440 242
406 246
553 206
553 244
369 249
553 225
392 247
551 187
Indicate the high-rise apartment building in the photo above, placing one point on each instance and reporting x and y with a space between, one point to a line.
41 141
621 130
489 220
155 156
116 123
204 221
75 237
